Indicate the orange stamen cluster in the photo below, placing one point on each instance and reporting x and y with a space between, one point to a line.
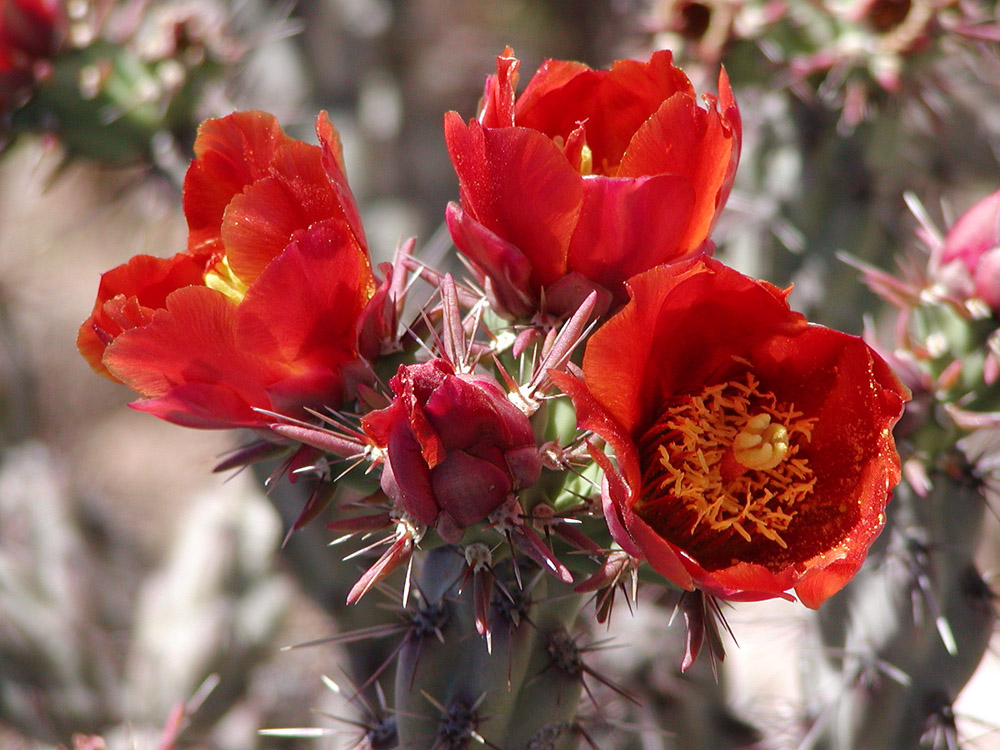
729 457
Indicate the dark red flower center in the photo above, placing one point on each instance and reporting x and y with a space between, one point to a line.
722 474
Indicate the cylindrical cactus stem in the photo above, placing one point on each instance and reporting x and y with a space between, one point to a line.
894 649
454 687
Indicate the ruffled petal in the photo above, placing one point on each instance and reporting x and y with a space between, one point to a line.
685 140
258 224
230 153
191 343
519 186
129 294
613 104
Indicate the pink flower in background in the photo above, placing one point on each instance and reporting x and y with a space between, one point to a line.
969 260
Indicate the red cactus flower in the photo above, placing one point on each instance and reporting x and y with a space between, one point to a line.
30 31
588 178
755 451
455 447
261 311
969 260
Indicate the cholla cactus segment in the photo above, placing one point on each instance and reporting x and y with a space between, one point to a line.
856 57
110 84
893 650
51 609
503 695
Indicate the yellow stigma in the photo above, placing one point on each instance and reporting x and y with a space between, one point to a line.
761 444
222 279
726 458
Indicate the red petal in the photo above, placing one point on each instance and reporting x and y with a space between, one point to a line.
701 308
303 310
518 185
468 487
187 351
231 153
613 104
506 267
128 295
406 478
683 139
821 585
333 164
259 223
202 405
498 97
629 226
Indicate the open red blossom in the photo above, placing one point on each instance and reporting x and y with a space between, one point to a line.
261 311
755 450
455 446
588 177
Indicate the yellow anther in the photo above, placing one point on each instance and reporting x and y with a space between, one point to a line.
760 444
223 279
586 160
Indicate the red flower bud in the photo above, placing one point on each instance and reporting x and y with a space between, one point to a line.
455 446
588 177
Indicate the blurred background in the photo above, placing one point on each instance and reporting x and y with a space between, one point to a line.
139 592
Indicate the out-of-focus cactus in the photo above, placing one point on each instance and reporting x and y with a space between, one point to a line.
211 610
111 84
205 618
55 676
891 653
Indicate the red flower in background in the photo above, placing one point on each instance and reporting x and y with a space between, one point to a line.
969 260
261 311
754 450
30 31
456 447
588 177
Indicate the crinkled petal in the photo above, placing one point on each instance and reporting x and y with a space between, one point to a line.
192 342
128 295
518 185
230 153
